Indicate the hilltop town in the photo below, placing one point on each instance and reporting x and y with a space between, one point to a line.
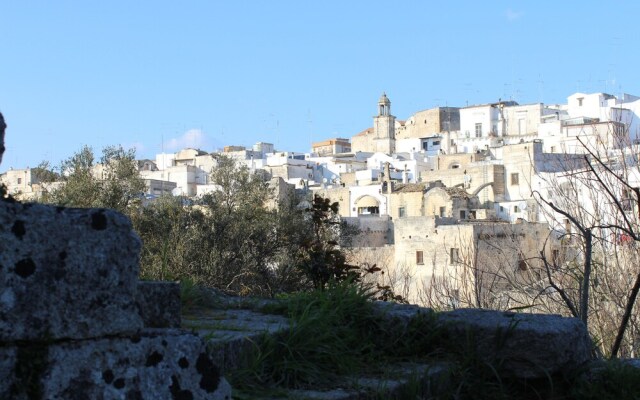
442 195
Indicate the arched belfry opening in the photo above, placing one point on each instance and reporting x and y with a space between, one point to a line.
384 106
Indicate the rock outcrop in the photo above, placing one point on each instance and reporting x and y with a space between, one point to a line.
75 322
3 126
527 346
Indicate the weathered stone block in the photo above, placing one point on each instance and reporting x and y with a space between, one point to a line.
66 273
159 304
157 364
529 345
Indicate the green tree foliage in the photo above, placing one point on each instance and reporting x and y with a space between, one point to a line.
320 256
233 240
114 182
229 240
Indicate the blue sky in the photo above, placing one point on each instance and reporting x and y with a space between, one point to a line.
167 74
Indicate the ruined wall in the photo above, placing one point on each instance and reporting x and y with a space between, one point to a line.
373 231
75 322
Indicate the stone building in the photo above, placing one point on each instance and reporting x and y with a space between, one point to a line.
331 146
380 138
460 260
450 202
22 183
427 131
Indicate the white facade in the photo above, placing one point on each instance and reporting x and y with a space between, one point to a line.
358 193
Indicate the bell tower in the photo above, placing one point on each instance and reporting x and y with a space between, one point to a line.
384 127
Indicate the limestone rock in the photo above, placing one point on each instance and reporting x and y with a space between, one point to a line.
66 273
3 126
529 345
159 304
157 364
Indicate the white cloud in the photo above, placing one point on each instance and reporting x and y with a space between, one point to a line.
193 138
513 15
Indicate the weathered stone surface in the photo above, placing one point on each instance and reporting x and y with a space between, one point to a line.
400 381
400 314
157 364
633 362
231 334
3 125
159 304
530 345
66 273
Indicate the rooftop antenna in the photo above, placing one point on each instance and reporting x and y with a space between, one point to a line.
467 89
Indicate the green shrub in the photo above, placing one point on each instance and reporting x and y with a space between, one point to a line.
616 380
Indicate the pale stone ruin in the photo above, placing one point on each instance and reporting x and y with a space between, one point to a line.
75 322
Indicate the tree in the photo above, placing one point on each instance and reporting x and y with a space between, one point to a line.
229 239
319 255
595 207
112 183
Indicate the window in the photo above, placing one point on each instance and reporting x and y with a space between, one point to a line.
516 209
19 181
472 214
401 212
368 211
436 143
479 129
522 127
463 214
443 211
515 179
419 257
580 101
454 256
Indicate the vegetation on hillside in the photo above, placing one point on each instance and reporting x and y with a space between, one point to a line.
234 238
338 334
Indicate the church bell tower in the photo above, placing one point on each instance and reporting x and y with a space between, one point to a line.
384 127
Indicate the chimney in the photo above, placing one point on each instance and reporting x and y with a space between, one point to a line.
387 178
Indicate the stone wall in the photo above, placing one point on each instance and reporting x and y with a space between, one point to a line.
75 322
